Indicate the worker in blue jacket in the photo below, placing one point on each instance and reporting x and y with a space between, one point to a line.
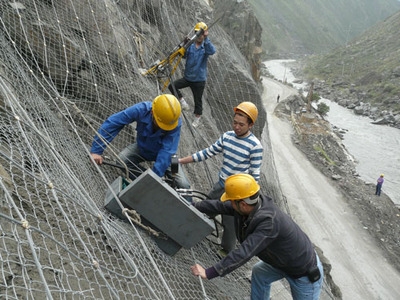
158 128
265 231
195 73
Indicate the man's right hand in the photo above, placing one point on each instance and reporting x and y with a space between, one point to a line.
98 159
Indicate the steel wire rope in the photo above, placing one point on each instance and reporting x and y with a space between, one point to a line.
208 172
67 219
104 45
136 43
150 45
129 218
51 145
61 98
140 38
87 122
130 260
120 248
200 279
51 185
207 169
26 116
95 264
21 109
136 233
87 52
152 260
130 221
23 222
22 57
78 111
45 44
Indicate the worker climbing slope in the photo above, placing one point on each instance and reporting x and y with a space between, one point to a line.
195 73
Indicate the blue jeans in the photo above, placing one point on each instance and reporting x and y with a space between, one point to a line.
378 189
263 275
131 157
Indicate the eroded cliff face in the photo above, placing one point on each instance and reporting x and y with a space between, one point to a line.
240 22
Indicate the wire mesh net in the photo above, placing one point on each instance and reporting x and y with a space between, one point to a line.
65 67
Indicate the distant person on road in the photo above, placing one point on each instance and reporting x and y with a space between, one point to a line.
277 98
242 153
379 183
195 73
265 231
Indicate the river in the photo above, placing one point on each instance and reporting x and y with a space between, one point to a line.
375 148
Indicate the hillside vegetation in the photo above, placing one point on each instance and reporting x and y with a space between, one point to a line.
366 69
298 27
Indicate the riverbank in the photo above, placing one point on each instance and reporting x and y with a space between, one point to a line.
378 214
357 231
374 148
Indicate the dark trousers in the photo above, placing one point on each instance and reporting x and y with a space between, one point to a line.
131 157
228 240
197 90
378 189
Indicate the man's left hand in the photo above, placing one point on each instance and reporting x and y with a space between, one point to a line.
198 270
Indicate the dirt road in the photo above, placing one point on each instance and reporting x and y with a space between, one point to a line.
358 265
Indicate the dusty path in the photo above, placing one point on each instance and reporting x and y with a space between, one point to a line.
358 266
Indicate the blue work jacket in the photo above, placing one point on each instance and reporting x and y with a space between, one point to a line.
156 146
196 61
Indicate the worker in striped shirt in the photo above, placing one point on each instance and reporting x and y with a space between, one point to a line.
242 153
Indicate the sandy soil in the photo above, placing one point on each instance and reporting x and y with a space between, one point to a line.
359 266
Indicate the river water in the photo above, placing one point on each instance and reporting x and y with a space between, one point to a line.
375 148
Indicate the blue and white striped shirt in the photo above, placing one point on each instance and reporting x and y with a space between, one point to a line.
240 155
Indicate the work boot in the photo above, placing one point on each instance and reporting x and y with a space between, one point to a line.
184 104
196 121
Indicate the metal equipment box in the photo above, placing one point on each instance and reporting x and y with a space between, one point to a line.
164 208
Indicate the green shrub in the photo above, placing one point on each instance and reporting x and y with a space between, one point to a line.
323 109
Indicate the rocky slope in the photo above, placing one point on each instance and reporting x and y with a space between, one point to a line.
64 67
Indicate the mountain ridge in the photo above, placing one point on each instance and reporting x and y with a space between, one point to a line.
314 26
365 71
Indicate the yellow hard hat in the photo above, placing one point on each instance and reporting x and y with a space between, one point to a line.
382 175
166 111
240 187
249 109
200 25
